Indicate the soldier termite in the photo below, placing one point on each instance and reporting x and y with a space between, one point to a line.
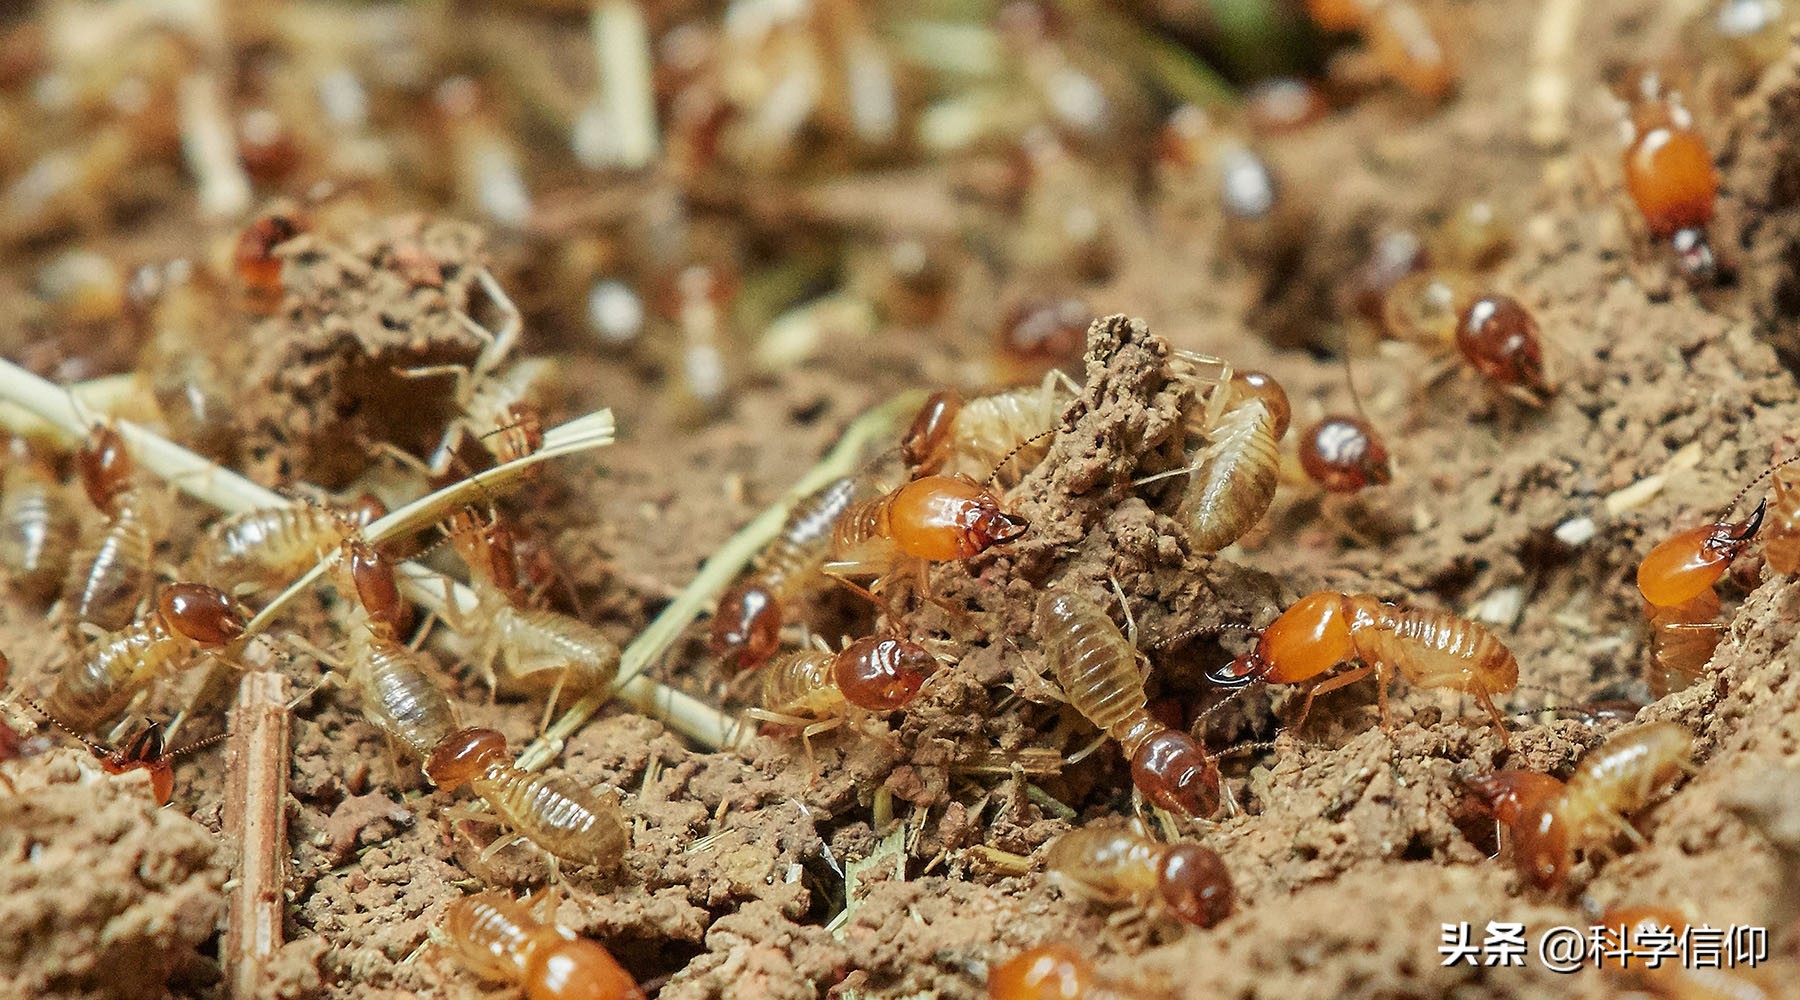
1431 649
37 525
1670 175
1551 821
552 811
187 619
497 938
1054 972
746 628
1676 580
1119 866
141 751
1232 442
1097 669
931 519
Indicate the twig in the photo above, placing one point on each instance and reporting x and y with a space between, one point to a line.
256 820
1547 87
718 572
622 50
211 150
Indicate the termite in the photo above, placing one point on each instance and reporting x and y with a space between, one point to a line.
1097 669
37 526
1551 821
256 264
270 546
1781 524
141 751
498 938
1236 464
552 811
931 519
746 629
1002 427
398 695
1431 649
1119 866
187 619
111 569
528 642
1404 40
1344 455
1496 335
1054 972
1670 176
1676 579
817 688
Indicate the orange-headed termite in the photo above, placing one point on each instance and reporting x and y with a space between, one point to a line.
188 618
553 812
1097 669
1054 972
1551 820
1124 866
1431 649
746 629
497 938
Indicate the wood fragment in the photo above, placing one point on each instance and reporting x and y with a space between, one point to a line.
256 821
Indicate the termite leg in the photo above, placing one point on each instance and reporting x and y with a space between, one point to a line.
833 571
1487 702
1330 684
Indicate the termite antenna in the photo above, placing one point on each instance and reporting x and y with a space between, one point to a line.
1766 473
1236 693
1200 630
196 745
1239 749
91 744
1021 446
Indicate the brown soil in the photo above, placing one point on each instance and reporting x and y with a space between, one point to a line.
1351 843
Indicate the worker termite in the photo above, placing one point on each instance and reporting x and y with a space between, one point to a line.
1344 455
499 939
111 568
1781 524
1552 821
553 812
397 695
1234 437
1496 335
746 629
1431 649
1669 174
817 688
529 643
37 525
998 429
141 751
1097 669
1676 580
1125 866
1039 334
931 519
256 264
1405 42
270 546
187 619
1054 972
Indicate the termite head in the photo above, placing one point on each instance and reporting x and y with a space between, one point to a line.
1499 338
1530 804
203 614
1048 970
746 631
462 755
486 547
1343 455
105 466
927 442
367 509
943 518
256 264
882 674
1683 566
371 576
142 751
1195 884
1174 771
1263 387
1309 638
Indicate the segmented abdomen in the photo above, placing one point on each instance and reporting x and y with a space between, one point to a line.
988 427
1096 667
491 935
114 667
35 530
1431 648
111 572
862 533
1235 483
556 813
1113 866
802 684
805 540
545 640
399 697
1682 638
267 546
